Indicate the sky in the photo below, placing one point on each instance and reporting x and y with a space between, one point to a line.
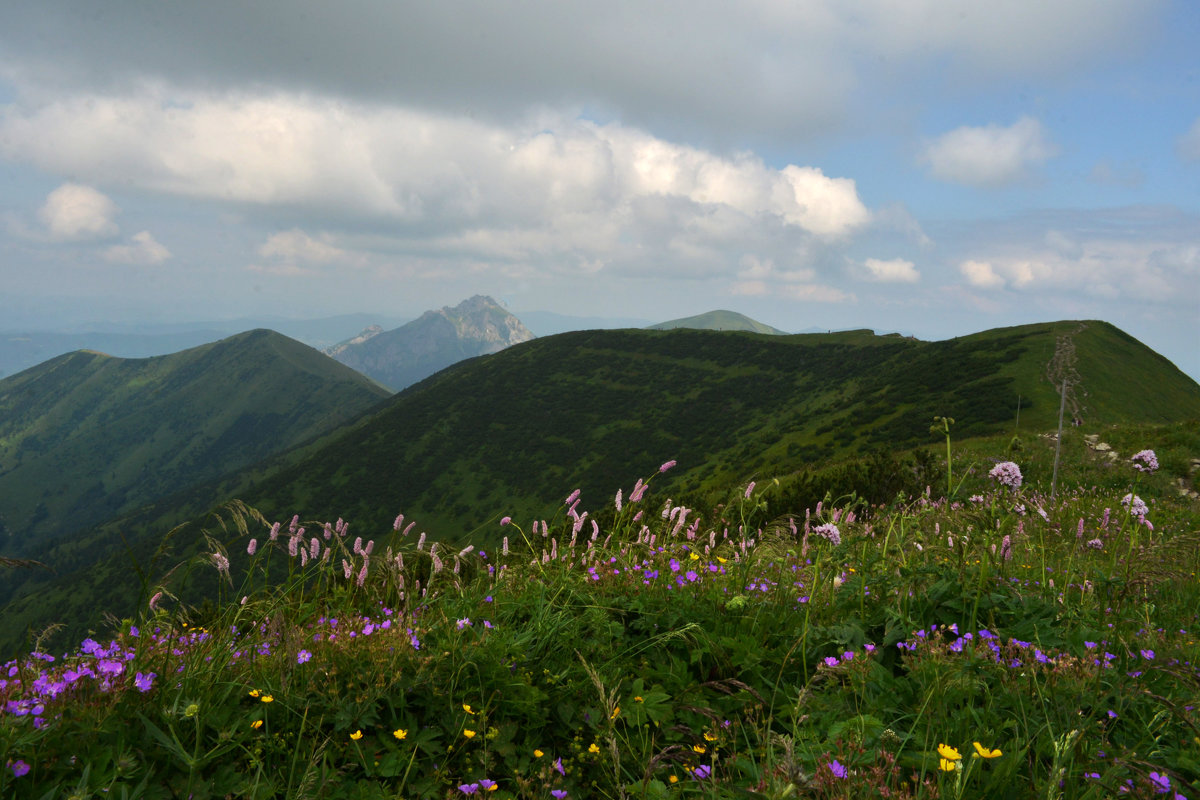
935 167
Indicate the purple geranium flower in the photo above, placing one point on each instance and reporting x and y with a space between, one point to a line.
144 681
838 770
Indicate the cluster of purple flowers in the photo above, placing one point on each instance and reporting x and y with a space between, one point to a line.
1007 473
1136 505
830 532
1145 461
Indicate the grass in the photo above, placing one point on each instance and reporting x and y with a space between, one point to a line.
988 644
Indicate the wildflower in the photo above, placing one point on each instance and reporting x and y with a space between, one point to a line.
1145 461
983 752
749 490
699 749
1136 505
254 692
467 709
251 547
1162 783
19 768
144 681
616 711
946 765
710 737
154 601
838 770
488 786
558 794
467 732
618 499
666 466
558 767
673 779
538 754
702 771
303 657
504 521
468 788
593 748
356 735
1007 474
948 752
258 723
266 698
830 532
462 623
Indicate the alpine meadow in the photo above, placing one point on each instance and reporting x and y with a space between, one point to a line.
624 563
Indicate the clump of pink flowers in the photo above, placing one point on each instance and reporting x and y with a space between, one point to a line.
1145 461
1008 474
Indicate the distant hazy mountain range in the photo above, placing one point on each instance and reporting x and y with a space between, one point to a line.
437 339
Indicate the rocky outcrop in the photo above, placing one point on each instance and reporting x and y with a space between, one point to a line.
412 352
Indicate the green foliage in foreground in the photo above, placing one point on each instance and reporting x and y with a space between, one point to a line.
847 651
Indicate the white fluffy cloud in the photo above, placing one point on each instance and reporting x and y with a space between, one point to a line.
990 155
559 191
76 212
144 250
896 270
1189 143
1155 272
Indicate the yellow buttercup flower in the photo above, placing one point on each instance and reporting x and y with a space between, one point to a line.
356 735
593 748
983 752
948 766
467 732
538 754
695 557
400 733
256 724
254 692
266 698
639 699
673 779
949 753
616 711
699 748
710 737
467 709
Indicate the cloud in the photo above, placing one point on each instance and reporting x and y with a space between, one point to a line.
296 245
556 191
981 274
1189 143
895 271
145 250
764 68
989 155
77 212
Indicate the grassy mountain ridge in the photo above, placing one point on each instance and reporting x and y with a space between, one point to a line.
86 435
513 432
720 320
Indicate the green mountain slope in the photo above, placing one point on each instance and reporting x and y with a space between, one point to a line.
85 435
718 321
514 432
